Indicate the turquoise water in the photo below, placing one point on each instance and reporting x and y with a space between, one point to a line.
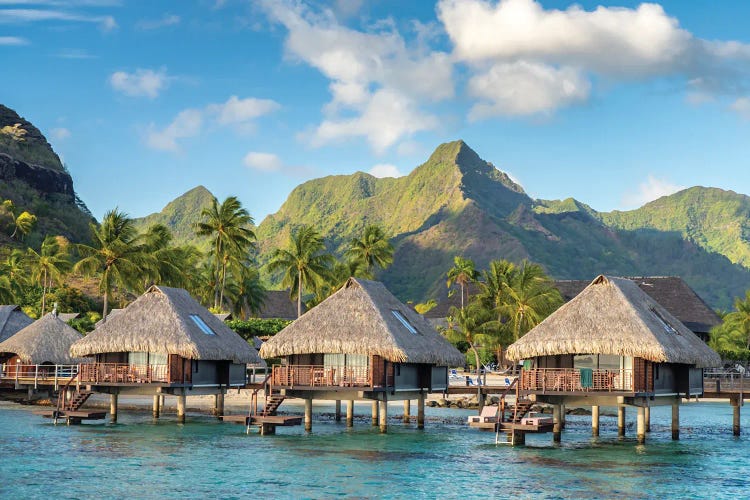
204 458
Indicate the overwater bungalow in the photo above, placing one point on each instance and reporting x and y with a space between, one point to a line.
38 356
612 345
165 343
361 343
12 319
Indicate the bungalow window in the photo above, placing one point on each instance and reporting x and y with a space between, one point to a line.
404 321
667 327
202 324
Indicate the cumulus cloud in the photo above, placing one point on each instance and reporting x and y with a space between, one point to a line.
649 190
153 24
23 16
186 124
265 162
364 68
547 57
142 83
237 111
385 170
742 107
60 133
13 40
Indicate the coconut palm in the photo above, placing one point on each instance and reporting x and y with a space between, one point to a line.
171 264
227 224
463 272
734 331
245 293
304 263
48 265
116 256
371 250
15 272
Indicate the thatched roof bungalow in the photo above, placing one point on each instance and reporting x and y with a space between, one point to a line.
46 341
166 337
616 333
12 320
362 337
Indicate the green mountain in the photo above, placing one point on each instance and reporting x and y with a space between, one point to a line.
34 178
458 204
181 215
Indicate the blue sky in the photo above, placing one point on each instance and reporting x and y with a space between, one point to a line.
614 104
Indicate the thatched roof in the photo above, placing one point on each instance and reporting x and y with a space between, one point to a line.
359 319
278 304
65 317
671 292
160 321
12 320
46 340
110 314
614 316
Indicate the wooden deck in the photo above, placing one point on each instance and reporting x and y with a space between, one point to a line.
538 428
280 420
72 417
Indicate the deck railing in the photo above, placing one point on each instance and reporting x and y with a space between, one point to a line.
123 373
321 376
719 380
37 374
569 380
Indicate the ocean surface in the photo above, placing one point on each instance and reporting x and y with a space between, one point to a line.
137 458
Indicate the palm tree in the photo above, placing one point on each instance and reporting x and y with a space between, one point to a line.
492 295
15 271
245 293
736 324
171 264
227 224
463 273
304 264
116 255
529 297
48 265
372 250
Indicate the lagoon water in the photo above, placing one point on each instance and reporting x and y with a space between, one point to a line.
138 458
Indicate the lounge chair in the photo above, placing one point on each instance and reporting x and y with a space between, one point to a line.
488 414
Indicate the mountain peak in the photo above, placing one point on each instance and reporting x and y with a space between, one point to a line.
20 139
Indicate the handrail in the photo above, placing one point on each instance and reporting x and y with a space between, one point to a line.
62 396
254 396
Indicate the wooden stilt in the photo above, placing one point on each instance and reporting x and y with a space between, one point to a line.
595 421
621 421
641 425
374 413
384 416
337 414
181 399
113 408
562 417
517 438
420 412
647 416
267 429
162 400
407 411
736 418
308 414
556 423
350 413
155 408
219 404
30 393
675 421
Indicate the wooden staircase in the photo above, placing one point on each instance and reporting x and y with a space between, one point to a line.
519 410
75 403
272 404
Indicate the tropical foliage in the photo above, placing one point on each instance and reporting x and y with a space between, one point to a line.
462 273
731 339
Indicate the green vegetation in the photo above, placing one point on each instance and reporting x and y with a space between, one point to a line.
49 264
257 327
371 250
462 273
731 339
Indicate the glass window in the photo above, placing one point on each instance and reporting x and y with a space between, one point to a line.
609 362
667 327
404 321
584 361
202 324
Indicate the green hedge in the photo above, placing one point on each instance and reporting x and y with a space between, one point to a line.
247 329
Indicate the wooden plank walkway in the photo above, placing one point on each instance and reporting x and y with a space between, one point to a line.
76 415
281 420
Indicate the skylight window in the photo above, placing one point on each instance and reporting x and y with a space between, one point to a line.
667 327
202 324
404 321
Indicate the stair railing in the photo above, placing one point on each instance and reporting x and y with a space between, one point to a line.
62 395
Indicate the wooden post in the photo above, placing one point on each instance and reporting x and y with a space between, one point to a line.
647 411
181 407
621 421
113 408
420 412
267 429
30 393
162 400
562 417
517 438
375 413
736 417
308 414
595 421
556 424
337 413
407 411
641 425
219 404
350 413
155 409
384 415
676 421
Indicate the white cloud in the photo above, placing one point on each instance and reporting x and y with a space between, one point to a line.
385 170
649 190
364 68
266 162
152 24
13 40
60 133
237 111
142 83
186 124
523 88
20 16
742 107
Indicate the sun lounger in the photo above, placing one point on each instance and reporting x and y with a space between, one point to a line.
488 414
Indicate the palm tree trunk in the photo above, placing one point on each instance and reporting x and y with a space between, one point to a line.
299 294
44 291
216 283
223 282
479 386
104 312
462 295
